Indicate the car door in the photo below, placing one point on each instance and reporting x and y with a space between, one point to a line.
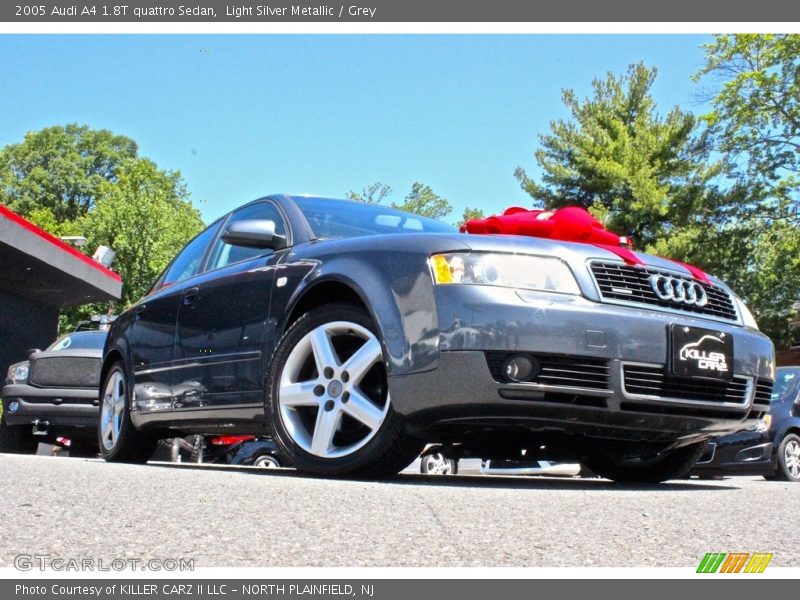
222 321
151 336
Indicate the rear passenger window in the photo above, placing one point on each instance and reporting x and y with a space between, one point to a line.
225 254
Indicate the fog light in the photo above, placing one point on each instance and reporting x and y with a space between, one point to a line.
520 367
13 407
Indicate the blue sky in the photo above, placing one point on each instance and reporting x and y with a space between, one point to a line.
246 115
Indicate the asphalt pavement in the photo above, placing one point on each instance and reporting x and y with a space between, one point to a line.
71 508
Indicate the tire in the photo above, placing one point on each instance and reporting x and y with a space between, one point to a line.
436 463
163 451
327 398
117 437
16 439
267 461
83 448
789 459
673 465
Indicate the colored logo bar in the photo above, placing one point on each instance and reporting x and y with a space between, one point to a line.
734 562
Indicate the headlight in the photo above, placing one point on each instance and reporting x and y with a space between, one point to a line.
518 271
18 373
747 317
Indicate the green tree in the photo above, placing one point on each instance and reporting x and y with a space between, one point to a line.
146 218
421 200
755 119
755 125
374 193
643 174
53 175
469 214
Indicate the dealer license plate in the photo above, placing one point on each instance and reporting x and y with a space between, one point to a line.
699 352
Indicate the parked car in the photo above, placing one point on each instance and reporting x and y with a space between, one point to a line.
437 459
54 393
244 450
335 326
772 448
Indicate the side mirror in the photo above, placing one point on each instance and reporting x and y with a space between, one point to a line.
30 351
254 233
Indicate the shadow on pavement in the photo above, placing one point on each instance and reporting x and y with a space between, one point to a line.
481 481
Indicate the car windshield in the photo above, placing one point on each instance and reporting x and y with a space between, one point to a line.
787 384
336 219
85 340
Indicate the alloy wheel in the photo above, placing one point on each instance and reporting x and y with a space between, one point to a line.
332 396
791 457
113 408
437 464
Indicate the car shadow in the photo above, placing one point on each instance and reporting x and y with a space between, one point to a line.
538 482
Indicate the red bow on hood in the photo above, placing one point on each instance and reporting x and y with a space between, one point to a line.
571 224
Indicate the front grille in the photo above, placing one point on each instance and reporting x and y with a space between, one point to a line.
763 394
653 381
619 282
556 370
66 371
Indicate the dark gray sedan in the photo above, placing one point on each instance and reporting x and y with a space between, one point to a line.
355 334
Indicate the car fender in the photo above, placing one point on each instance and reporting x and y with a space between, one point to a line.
399 297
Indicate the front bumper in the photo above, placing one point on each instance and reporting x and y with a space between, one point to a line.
59 407
477 323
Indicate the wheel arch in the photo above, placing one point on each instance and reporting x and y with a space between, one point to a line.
114 354
373 293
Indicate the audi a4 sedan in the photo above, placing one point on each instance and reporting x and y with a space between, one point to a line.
355 334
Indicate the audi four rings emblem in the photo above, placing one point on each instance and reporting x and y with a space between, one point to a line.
680 291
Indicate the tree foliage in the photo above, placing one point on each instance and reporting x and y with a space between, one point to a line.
469 214
755 125
756 113
619 157
421 200
73 180
146 217
53 175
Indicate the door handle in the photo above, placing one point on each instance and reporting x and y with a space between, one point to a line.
190 295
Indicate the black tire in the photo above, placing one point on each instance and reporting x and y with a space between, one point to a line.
785 471
672 465
130 444
435 462
387 452
163 451
83 448
16 439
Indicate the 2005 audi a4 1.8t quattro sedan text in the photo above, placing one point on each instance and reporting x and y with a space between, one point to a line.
356 333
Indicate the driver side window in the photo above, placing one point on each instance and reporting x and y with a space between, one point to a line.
188 262
225 254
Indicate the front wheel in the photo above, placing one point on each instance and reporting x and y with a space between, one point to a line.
119 440
328 397
670 465
789 459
